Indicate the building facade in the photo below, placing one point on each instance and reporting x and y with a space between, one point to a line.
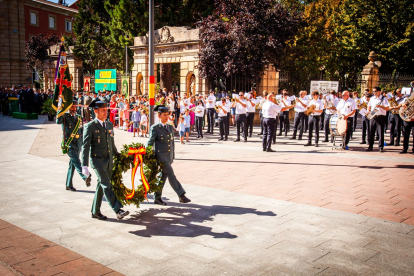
21 19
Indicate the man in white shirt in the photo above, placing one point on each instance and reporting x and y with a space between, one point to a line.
199 116
407 126
223 109
381 105
241 120
284 115
262 101
357 101
330 101
251 111
314 118
365 122
347 107
396 121
270 111
210 104
300 107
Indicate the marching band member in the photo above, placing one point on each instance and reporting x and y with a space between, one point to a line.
357 101
380 103
284 115
223 109
329 111
407 129
322 114
241 107
300 107
210 104
314 118
262 101
251 110
199 115
396 121
270 110
365 122
347 107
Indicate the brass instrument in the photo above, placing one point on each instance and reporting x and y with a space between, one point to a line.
294 102
309 110
362 106
328 104
393 103
407 113
217 108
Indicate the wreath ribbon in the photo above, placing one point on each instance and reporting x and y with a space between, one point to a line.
138 161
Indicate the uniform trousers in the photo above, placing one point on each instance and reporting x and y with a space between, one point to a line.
306 123
74 163
326 125
274 132
241 121
322 119
395 128
349 129
268 131
314 124
199 125
222 120
168 172
210 119
355 119
250 119
104 187
284 122
299 119
378 123
228 124
366 129
261 121
407 127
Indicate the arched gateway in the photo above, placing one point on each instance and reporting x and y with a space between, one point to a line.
181 45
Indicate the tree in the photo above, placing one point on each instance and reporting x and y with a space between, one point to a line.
36 52
242 36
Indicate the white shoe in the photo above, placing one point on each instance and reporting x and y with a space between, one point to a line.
120 128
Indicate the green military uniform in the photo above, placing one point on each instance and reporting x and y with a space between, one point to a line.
68 123
162 139
99 143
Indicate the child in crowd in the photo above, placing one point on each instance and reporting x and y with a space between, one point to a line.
144 123
181 128
136 119
187 120
126 124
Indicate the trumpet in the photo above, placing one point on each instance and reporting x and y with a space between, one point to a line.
234 99
362 106
217 108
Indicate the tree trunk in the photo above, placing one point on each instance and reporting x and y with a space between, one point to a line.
165 75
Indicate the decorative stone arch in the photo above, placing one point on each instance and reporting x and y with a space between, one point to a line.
190 83
139 84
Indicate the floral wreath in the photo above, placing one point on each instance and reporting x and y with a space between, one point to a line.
133 156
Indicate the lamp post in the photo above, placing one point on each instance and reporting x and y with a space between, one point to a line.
151 92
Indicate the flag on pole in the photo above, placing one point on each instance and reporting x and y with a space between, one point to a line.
62 98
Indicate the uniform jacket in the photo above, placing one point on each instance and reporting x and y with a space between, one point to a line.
68 123
100 144
163 142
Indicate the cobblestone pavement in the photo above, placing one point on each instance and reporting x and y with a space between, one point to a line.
299 211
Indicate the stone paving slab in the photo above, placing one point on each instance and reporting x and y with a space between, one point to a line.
220 232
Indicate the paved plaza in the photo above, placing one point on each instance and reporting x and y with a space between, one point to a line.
298 211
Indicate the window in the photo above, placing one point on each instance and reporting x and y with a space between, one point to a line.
68 25
52 22
34 18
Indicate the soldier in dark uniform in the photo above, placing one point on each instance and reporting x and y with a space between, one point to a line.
162 139
69 122
98 141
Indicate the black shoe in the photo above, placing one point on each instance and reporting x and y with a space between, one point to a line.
308 144
250 135
397 144
369 149
121 214
292 138
274 142
88 181
316 145
261 133
225 139
363 142
237 140
381 150
403 151
202 136
325 141
376 138
99 216
71 189
221 139
285 135
270 150
264 149
391 144
184 199
300 138
245 140
159 201
279 134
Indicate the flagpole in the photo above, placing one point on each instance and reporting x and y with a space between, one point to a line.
151 92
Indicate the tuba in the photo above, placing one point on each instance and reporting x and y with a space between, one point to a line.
407 113
309 110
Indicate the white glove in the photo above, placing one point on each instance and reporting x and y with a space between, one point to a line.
85 171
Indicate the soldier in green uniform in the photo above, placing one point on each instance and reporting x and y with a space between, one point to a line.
162 139
98 141
72 143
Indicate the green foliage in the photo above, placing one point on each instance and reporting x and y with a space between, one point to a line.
47 107
123 163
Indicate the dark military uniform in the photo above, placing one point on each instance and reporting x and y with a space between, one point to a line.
68 123
99 143
162 139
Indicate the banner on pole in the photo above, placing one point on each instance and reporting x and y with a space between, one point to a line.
86 84
62 98
105 80
125 86
324 87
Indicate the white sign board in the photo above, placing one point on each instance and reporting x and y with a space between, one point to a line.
406 90
324 87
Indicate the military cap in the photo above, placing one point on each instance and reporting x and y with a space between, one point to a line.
98 104
161 109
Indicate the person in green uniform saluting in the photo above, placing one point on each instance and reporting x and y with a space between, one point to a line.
162 139
98 141
71 144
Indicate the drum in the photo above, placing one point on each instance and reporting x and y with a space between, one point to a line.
337 125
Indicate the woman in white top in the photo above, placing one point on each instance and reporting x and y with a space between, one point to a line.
199 115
